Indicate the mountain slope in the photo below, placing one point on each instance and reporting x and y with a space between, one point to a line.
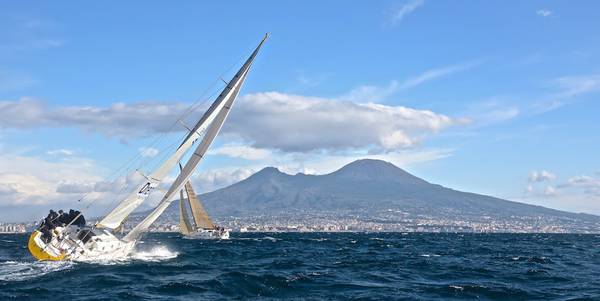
363 186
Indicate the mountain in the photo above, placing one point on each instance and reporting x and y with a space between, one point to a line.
367 187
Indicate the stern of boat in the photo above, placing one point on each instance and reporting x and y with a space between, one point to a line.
42 251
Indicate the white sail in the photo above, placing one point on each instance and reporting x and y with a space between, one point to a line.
184 224
118 215
190 166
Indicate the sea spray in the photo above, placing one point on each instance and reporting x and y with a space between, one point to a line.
26 270
155 254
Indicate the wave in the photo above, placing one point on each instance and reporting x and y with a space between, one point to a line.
159 253
155 254
25 270
303 265
267 238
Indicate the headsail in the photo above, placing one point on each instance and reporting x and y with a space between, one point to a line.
201 219
190 166
184 224
118 215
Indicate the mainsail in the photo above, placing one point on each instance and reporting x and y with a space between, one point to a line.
118 215
214 128
201 219
184 223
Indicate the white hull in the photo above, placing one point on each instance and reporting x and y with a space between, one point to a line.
208 234
65 244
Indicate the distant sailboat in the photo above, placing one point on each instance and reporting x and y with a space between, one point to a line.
203 227
68 237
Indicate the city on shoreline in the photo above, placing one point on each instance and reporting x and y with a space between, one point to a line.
389 221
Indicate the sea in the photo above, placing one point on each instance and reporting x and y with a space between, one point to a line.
318 266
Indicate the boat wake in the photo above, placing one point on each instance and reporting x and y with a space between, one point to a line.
25 270
154 254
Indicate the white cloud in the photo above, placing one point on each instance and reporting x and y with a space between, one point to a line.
578 193
498 115
405 9
209 180
576 85
119 119
7 190
74 187
148 152
541 176
294 123
62 152
39 184
568 89
550 191
587 184
544 12
34 180
437 73
241 151
369 93
265 120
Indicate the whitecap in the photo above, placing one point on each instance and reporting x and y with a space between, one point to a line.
158 253
24 270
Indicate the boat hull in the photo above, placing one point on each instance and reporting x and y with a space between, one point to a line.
65 244
42 251
208 234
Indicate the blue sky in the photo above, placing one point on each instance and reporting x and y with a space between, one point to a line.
490 97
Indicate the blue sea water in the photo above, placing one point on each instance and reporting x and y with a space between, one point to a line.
366 266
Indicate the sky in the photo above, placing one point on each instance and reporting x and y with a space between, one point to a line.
494 97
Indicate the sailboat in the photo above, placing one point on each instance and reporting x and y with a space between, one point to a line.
203 227
67 236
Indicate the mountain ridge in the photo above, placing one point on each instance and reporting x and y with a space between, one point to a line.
370 188
367 179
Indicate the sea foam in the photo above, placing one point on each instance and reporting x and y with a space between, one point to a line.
24 270
158 253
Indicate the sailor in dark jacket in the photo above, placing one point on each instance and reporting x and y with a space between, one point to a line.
47 225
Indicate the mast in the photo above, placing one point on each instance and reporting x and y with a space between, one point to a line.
118 215
201 218
235 85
